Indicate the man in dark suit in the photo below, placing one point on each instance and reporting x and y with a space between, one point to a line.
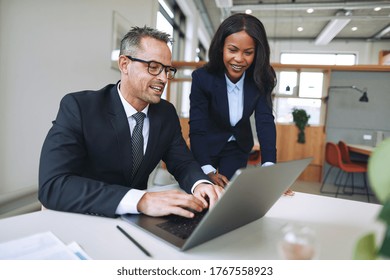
87 164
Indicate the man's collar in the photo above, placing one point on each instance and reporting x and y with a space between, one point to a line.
130 110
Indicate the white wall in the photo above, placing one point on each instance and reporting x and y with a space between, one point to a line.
47 49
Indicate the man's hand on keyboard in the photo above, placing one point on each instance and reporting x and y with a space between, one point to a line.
208 194
171 202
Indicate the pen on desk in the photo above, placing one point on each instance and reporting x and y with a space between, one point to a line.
134 241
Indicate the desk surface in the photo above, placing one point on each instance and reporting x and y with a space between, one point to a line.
361 149
338 224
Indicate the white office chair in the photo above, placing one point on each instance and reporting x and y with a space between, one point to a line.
160 180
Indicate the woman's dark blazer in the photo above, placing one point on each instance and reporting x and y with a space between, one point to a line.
209 121
85 163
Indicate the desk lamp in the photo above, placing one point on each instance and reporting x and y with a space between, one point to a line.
363 98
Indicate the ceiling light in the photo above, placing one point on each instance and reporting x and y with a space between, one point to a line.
332 29
300 29
248 11
309 11
377 9
382 33
354 28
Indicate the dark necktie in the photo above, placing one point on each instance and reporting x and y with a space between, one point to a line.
137 142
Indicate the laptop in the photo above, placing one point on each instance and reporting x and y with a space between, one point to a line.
249 195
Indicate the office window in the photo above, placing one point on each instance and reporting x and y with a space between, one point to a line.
200 53
164 25
172 20
287 82
310 84
304 89
318 58
284 106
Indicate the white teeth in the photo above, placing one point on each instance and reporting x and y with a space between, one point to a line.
235 67
156 88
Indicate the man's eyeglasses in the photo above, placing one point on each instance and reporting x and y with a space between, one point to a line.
155 68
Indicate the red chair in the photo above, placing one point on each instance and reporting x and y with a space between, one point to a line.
345 154
333 157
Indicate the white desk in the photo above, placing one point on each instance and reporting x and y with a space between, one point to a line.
361 149
339 224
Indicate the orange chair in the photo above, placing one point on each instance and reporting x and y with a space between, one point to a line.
333 157
345 154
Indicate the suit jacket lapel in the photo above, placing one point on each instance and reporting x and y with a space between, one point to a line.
120 124
250 97
220 97
155 125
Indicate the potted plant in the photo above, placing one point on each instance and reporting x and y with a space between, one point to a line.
301 120
379 177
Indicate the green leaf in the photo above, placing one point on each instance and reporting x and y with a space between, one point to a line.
385 248
365 248
384 215
378 171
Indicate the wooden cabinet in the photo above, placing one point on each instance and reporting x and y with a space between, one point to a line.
288 148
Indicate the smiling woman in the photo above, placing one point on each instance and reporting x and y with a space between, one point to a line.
235 84
238 54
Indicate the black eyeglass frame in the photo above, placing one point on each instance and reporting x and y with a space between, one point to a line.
169 70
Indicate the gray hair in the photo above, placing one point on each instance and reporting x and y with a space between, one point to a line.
131 41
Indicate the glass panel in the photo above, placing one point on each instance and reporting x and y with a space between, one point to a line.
306 58
287 82
166 8
318 58
164 25
345 59
284 107
310 84
185 101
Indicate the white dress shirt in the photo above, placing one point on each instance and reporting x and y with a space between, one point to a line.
235 94
129 202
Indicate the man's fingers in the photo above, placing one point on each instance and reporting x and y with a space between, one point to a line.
211 192
215 195
170 202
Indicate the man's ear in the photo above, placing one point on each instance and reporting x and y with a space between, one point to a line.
122 63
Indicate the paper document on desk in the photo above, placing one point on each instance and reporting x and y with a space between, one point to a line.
41 246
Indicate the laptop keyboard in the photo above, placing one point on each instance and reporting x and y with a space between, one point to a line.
181 227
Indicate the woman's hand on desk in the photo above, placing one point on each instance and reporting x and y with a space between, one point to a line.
289 192
218 179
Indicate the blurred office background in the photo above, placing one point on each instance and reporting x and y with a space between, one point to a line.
50 47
